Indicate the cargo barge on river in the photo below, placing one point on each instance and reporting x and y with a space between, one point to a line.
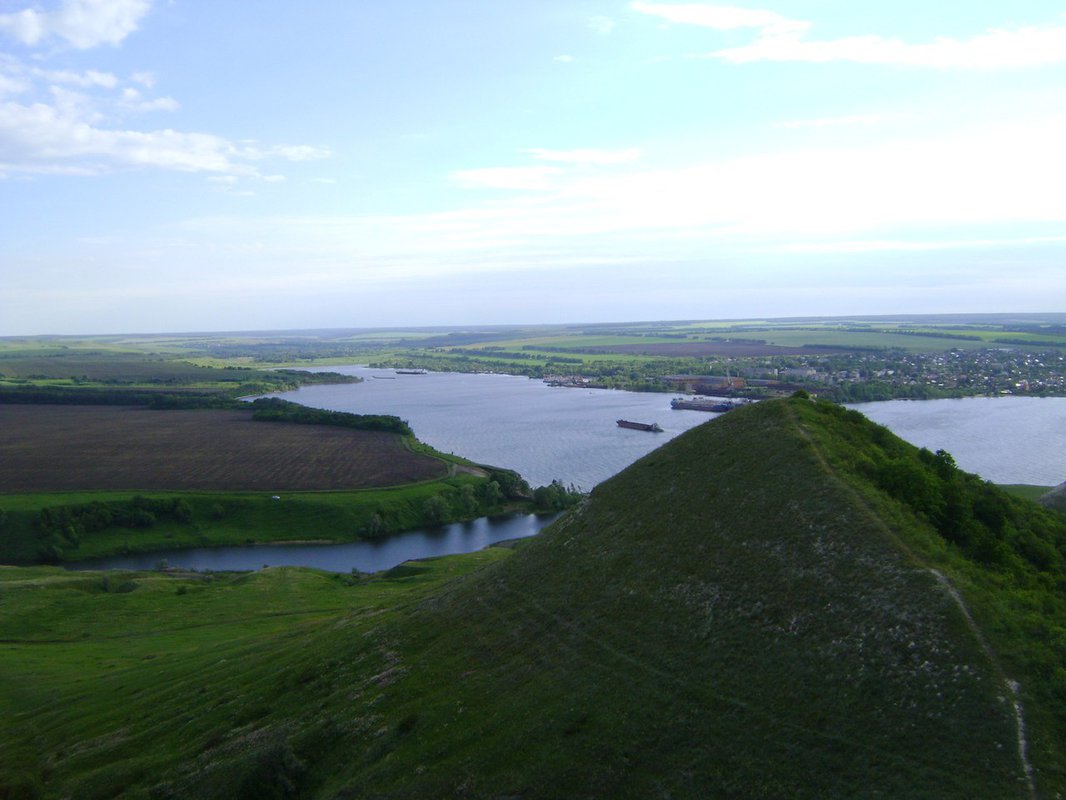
715 404
640 426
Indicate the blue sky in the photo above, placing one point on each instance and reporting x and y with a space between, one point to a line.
189 165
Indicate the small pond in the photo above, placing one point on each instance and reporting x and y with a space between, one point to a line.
367 556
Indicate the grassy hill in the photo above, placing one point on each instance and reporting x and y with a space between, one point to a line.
786 602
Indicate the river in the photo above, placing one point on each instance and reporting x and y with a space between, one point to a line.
1002 439
570 434
543 432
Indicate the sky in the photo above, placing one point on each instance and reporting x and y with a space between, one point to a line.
196 165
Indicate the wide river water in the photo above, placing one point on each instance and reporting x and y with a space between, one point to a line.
548 433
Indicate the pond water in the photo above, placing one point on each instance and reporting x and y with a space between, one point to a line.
459 537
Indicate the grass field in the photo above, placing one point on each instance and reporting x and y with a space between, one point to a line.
106 679
737 349
70 448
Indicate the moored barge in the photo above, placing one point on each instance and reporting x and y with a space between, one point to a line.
716 405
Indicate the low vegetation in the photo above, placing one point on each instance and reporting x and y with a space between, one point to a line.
274 409
775 604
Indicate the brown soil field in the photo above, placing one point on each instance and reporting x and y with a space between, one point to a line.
699 349
46 448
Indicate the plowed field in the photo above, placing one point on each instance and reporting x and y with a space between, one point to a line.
70 448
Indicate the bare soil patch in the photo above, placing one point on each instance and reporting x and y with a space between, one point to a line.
72 448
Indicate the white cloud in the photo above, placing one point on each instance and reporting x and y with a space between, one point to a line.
586 156
529 178
864 198
38 135
564 59
971 178
28 26
80 23
85 80
160 104
68 124
883 245
12 85
997 49
722 18
131 98
832 122
252 150
601 25
300 152
1002 174
783 39
66 138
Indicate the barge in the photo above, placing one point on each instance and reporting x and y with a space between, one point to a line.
640 426
716 405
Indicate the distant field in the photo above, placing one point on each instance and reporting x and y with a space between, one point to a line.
72 448
711 348
118 368
915 343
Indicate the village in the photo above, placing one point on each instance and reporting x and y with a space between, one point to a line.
856 376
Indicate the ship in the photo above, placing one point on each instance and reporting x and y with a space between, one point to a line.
640 426
716 405
412 372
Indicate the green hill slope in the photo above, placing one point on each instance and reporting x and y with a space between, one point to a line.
770 605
